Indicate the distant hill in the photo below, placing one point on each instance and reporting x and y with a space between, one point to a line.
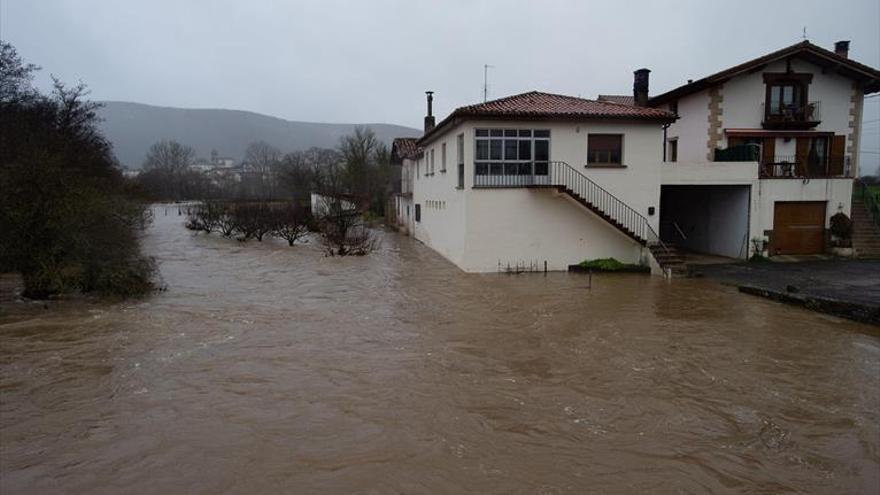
133 127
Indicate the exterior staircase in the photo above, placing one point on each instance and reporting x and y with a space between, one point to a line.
570 181
670 259
620 215
866 233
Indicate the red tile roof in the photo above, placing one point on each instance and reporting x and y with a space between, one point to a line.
622 99
404 148
536 105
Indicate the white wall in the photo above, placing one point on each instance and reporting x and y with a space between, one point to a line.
741 109
714 219
531 226
765 193
692 127
477 228
443 205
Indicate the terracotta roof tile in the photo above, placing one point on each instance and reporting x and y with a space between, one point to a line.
536 105
622 99
404 148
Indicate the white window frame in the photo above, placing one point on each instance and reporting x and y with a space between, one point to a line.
505 163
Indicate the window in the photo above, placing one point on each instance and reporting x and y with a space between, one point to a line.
509 152
784 97
459 151
673 150
443 158
605 149
432 161
418 213
673 107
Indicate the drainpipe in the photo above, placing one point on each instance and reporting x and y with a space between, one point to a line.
665 127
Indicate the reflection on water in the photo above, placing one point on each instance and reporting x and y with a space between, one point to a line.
269 369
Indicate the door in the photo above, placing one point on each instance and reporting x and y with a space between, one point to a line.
799 227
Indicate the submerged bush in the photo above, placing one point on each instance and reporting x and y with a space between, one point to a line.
250 220
609 265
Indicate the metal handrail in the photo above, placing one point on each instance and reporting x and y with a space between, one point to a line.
870 201
563 174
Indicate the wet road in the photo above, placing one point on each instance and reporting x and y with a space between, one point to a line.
269 369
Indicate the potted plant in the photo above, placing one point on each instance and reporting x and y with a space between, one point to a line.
841 234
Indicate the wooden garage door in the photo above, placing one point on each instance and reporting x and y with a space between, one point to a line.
799 228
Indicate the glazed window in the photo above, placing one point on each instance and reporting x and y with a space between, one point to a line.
605 149
510 152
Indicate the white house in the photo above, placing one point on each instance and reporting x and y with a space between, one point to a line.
766 150
404 153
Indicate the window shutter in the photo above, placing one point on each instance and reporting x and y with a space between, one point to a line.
836 157
768 151
801 153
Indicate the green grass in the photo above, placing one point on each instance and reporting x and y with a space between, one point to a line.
608 265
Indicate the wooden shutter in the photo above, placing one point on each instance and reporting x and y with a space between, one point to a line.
802 151
836 156
768 155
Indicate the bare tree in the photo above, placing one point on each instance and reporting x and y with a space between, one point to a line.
291 223
339 217
261 160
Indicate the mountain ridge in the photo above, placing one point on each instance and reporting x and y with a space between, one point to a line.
133 127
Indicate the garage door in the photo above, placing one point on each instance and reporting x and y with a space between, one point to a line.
799 228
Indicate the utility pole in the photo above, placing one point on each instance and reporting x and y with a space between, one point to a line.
486 68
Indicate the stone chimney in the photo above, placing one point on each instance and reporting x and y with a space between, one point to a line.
640 87
842 48
429 119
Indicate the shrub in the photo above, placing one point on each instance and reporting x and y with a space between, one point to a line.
841 226
609 265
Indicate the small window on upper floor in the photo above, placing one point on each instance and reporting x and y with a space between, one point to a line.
673 150
673 107
605 149
443 158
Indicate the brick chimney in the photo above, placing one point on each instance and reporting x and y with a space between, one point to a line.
842 48
429 119
640 87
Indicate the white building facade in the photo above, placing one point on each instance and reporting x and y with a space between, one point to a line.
765 151
770 147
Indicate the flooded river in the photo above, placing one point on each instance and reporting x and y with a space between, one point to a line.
269 369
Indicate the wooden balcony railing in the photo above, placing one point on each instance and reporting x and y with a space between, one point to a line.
791 116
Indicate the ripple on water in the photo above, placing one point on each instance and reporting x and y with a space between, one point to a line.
267 369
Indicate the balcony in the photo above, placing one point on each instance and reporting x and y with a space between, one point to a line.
517 174
806 167
791 116
787 166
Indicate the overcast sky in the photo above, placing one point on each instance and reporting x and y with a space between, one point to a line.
360 61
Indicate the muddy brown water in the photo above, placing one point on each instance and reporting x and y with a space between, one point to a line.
269 369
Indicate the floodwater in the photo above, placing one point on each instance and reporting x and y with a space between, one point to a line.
269 369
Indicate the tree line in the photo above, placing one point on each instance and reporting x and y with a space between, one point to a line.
68 218
339 225
359 167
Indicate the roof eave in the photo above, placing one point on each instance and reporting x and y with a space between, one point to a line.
869 75
457 117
